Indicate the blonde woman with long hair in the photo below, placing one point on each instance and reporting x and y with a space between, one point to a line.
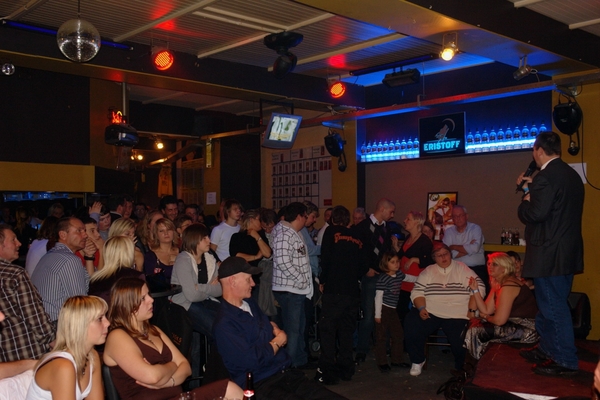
72 370
126 227
118 263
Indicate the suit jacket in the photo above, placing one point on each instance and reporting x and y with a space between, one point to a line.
366 231
552 221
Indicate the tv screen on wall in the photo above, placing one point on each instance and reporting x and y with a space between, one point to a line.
281 131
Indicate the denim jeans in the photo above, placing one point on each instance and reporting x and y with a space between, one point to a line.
553 320
202 314
367 303
294 322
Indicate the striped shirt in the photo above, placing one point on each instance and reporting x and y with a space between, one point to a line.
58 276
27 331
446 290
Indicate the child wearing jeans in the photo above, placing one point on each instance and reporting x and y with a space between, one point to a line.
387 322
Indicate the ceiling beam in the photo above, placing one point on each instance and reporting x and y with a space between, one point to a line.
581 24
525 3
362 45
173 15
32 5
259 37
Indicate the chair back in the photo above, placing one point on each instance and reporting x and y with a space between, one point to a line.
175 322
110 391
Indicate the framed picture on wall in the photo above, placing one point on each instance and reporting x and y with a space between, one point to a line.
439 211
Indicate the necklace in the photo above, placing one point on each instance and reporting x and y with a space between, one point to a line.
146 336
84 367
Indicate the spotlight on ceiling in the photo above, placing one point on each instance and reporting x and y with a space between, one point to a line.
337 89
8 68
401 78
281 43
449 46
78 39
523 69
162 58
159 144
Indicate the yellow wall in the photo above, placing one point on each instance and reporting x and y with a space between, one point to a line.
344 184
212 179
20 176
588 281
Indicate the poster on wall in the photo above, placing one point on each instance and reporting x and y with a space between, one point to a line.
439 211
442 135
299 175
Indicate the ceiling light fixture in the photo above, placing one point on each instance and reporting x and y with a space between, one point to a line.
162 58
523 69
449 46
337 89
402 78
78 39
159 144
281 43
8 68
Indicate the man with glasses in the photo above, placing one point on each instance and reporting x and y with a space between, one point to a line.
465 239
59 273
292 279
442 299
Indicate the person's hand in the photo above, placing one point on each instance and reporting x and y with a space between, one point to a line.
424 314
95 208
473 283
523 178
90 248
371 273
378 320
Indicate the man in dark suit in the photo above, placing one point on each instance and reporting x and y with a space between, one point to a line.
552 209
375 232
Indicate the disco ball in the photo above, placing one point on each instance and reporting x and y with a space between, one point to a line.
8 69
78 40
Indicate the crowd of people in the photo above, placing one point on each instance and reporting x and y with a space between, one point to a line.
253 281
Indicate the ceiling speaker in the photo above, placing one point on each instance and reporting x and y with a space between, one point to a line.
567 117
334 144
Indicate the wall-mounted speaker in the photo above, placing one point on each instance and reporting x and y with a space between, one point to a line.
567 117
334 144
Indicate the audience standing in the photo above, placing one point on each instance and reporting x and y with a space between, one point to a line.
221 234
342 267
292 278
377 239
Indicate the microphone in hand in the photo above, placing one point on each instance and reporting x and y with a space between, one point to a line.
530 170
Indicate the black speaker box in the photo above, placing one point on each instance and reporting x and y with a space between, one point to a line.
567 117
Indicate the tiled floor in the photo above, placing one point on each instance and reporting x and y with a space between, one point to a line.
370 384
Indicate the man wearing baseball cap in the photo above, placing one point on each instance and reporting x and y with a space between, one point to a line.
248 342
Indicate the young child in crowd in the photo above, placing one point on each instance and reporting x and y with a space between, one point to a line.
387 322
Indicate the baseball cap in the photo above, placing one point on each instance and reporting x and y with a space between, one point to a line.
235 265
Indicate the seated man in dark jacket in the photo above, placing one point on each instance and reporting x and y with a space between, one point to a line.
248 342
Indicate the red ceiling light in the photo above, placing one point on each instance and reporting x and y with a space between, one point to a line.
162 58
337 89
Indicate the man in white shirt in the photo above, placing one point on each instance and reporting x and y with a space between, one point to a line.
465 239
221 234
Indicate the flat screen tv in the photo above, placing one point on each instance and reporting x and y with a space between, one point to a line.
281 131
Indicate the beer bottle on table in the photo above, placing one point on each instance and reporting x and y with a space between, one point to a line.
249 389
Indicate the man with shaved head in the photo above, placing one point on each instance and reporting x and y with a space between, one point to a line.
377 238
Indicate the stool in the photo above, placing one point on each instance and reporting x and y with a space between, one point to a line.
433 340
